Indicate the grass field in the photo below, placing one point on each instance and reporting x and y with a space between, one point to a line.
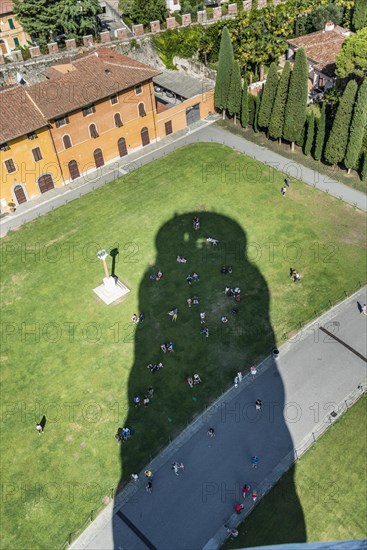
330 483
69 357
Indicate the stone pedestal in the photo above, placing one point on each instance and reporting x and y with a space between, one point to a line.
53 47
186 19
16 55
247 4
88 40
110 291
155 26
202 16
105 36
217 13
232 9
121 34
70 44
138 30
35 51
171 22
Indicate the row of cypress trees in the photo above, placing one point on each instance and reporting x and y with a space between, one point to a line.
282 109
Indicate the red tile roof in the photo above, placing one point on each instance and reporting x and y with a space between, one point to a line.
322 47
19 115
6 6
87 79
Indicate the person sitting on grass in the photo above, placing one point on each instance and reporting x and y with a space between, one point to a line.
195 277
225 269
170 346
214 242
136 400
134 318
181 259
140 318
197 379
146 401
196 223
163 348
296 277
159 275
224 319
189 279
150 392
189 381
205 331
195 300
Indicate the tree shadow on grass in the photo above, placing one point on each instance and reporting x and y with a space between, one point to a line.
184 512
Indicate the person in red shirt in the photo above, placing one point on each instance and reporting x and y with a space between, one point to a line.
238 508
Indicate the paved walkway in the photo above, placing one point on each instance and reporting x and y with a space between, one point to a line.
315 373
203 131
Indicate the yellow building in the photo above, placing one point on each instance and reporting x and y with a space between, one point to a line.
28 161
90 111
11 31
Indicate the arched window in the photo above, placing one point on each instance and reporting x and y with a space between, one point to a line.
66 141
98 158
45 183
93 131
144 136
121 144
73 169
141 109
20 194
117 119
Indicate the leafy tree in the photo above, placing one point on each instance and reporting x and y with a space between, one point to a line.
364 168
295 111
357 129
338 139
38 18
300 141
254 5
277 115
144 11
360 15
320 136
268 96
79 18
245 105
353 56
235 92
310 134
224 71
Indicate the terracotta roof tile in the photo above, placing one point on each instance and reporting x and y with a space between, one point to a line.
19 115
89 79
322 47
6 6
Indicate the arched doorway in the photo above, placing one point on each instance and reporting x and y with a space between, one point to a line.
145 136
73 169
45 183
20 194
98 158
122 147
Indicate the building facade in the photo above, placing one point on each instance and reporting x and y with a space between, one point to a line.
89 112
12 34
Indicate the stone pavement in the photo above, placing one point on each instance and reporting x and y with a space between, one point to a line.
316 372
202 131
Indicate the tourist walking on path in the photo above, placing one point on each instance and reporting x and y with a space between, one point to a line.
255 461
177 466
149 487
245 490
258 404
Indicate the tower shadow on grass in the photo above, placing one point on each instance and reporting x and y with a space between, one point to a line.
184 512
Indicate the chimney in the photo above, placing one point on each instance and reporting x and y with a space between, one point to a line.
329 26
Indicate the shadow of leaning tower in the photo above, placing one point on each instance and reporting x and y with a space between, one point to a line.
187 515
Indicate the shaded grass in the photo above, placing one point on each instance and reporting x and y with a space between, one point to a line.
330 483
77 366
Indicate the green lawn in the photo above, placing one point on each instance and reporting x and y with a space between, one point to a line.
84 362
330 482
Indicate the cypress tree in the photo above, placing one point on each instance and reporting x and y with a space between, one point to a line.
360 15
364 168
224 71
245 105
357 129
338 139
277 115
251 109
256 112
320 137
268 96
235 91
301 139
310 134
295 111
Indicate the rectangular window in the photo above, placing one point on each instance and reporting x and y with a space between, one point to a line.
16 42
32 135
138 89
11 24
61 121
114 99
89 110
37 155
10 166
168 127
